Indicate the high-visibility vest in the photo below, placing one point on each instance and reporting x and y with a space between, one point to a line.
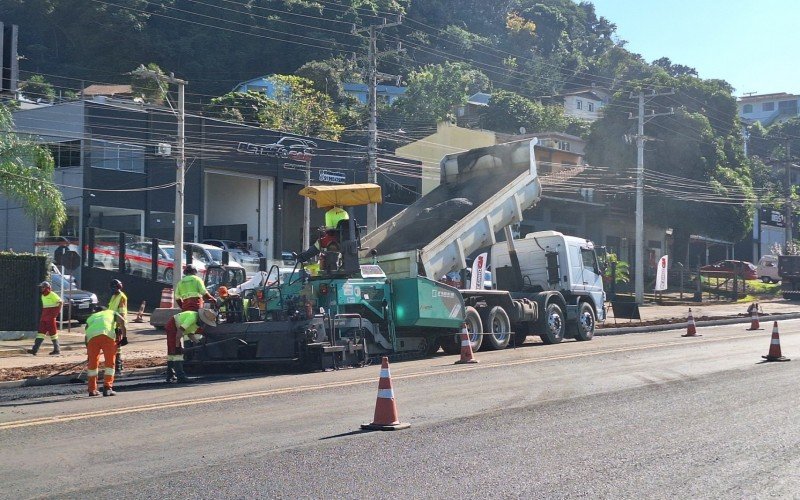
188 320
50 300
101 323
119 304
334 216
190 287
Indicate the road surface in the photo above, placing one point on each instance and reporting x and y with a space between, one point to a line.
640 415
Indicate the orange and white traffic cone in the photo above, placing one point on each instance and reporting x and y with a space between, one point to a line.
754 324
691 328
775 346
467 356
140 315
385 418
167 298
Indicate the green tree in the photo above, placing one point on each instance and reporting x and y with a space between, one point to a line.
36 87
436 89
296 107
26 176
508 111
150 88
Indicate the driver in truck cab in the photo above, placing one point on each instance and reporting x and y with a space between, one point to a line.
191 291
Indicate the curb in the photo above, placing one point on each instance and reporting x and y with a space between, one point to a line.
66 379
679 326
17 335
10 352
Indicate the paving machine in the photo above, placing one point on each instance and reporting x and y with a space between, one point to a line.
342 314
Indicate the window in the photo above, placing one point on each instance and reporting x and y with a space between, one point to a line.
563 145
768 106
117 156
589 260
747 109
579 104
66 154
591 106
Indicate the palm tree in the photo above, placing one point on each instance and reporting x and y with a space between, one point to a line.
26 175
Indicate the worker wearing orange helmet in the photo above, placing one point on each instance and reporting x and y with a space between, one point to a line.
51 307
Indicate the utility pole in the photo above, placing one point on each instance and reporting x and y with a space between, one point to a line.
181 165
640 140
372 82
788 209
307 210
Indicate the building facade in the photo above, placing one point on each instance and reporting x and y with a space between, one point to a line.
768 108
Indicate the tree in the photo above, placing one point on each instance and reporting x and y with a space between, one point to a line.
508 111
26 176
36 87
151 89
296 107
674 69
436 89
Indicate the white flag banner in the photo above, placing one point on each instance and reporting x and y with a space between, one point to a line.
478 268
661 273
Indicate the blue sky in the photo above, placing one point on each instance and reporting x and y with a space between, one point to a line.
752 44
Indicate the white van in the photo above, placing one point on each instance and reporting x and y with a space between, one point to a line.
767 269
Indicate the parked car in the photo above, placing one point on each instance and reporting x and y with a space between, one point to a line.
207 254
741 268
767 269
249 259
139 259
78 304
198 264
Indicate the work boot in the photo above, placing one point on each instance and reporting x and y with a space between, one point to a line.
171 372
182 378
118 364
56 348
36 345
108 391
94 393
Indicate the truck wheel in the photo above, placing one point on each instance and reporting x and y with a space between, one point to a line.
452 343
583 327
551 328
522 330
431 345
498 328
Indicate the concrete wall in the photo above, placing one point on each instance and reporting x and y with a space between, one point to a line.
448 139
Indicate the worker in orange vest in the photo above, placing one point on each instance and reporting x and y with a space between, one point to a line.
104 330
51 307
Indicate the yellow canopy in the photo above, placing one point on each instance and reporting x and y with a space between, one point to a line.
345 195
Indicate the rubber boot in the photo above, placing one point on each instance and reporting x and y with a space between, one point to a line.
118 363
182 378
171 372
36 345
56 348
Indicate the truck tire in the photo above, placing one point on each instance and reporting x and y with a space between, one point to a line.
431 346
498 329
583 327
452 343
551 326
521 332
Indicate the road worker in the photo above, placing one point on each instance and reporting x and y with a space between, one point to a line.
104 330
329 239
191 291
119 304
184 325
51 307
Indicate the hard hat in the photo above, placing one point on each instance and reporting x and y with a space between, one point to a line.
45 284
208 317
189 269
223 291
116 285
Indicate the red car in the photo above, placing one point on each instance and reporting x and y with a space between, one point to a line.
741 268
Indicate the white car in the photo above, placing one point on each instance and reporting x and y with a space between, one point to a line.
767 269
170 251
208 254
247 258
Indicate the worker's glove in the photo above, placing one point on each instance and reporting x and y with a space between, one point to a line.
195 338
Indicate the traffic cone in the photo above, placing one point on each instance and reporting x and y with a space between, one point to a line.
466 349
754 324
385 418
691 328
166 299
139 315
775 346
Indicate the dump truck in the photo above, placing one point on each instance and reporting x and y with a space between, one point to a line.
382 296
789 273
546 284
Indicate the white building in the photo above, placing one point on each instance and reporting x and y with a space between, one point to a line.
586 104
768 108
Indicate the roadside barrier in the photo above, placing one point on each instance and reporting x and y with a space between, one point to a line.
775 346
166 298
140 315
754 324
691 327
467 356
385 418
